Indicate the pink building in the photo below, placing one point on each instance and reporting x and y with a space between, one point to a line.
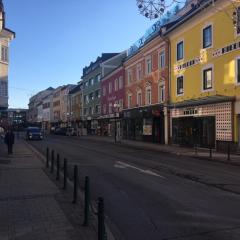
112 89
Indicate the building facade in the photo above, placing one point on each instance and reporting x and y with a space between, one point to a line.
205 83
112 89
6 36
91 79
145 116
76 110
47 108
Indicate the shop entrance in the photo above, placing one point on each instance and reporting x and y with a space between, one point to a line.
158 130
190 131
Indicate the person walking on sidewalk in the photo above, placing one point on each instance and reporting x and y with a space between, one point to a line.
9 140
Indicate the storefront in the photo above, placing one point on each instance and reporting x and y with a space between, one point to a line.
144 124
205 125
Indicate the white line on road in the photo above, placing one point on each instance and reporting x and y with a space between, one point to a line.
120 164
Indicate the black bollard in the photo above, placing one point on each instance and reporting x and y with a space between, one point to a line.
65 174
75 178
228 152
101 224
86 202
210 152
58 167
47 158
52 162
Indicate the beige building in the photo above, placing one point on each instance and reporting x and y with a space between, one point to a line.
6 36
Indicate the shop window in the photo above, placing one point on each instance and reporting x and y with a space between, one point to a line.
139 98
162 60
207 79
180 50
207 36
148 95
180 89
148 65
161 93
238 70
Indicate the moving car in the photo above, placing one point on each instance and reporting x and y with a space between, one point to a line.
34 133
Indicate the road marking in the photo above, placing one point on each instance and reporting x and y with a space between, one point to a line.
120 164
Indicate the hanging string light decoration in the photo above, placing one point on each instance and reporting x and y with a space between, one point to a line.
153 9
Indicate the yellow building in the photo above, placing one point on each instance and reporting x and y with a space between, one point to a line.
205 74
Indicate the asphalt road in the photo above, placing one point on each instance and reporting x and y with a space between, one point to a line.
151 195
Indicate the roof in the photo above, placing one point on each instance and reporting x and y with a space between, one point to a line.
202 101
75 89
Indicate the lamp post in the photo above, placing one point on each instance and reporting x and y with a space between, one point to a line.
116 110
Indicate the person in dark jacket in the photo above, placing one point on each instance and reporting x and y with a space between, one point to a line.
9 140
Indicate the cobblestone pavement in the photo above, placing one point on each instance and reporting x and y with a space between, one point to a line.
32 206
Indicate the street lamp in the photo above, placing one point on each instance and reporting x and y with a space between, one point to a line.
116 110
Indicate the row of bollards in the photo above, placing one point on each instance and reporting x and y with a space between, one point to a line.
100 213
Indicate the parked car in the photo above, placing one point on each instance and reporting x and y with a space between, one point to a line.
61 131
34 133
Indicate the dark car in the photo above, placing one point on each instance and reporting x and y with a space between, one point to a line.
34 133
61 131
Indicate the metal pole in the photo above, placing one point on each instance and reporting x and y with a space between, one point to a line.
210 152
65 174
47 158
58 166
101 227
86 202
75 184
52 162
228 152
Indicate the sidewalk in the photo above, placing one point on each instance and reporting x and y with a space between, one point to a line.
32 207
201 153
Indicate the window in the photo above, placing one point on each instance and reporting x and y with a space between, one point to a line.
104 91
238 21
139 98
120 82
86 84
180 51
4 54
3 89
129 76
110 108
207 79
110 87
104 108
162 59
90 82
121 104
148 95
85 112
91 97
139 71
98 78
207 36
149 65
161 93
116 84
180 90
238 70
97 109
129 100
97 94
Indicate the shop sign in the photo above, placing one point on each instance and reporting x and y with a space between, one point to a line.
147 130
190 111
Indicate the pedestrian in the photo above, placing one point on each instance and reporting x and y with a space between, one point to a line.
9 140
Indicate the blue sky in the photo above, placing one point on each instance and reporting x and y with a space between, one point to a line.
55 39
